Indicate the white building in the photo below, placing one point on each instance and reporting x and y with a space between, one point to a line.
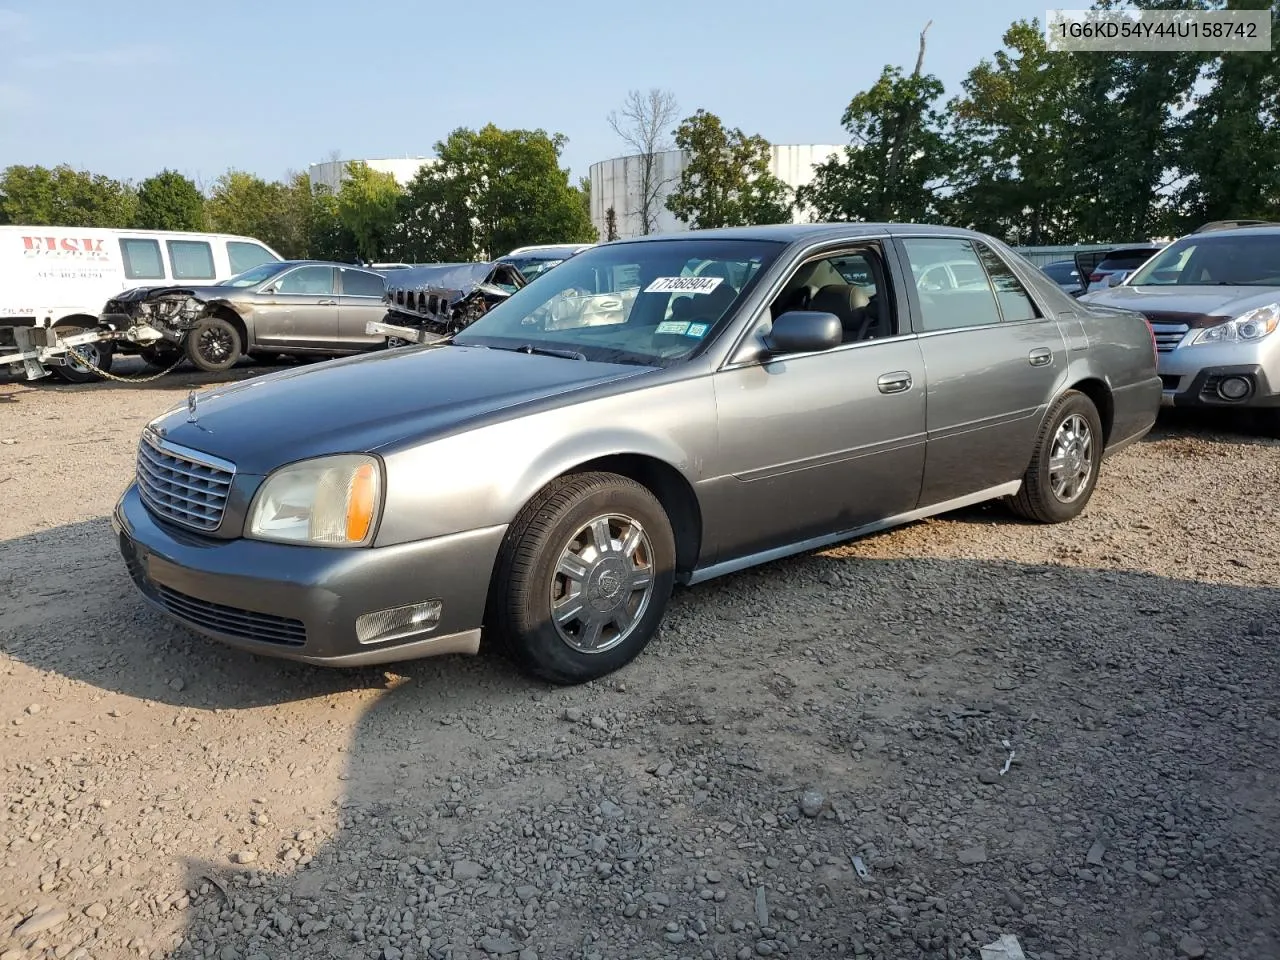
616 183
404 169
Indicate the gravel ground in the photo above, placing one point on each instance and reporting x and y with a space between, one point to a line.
902 748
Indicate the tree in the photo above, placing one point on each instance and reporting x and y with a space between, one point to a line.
1013 131
169 201
611 224
642 123
1230 139
245 204
898 155
584 195
368 206
65 197
726 181
488 192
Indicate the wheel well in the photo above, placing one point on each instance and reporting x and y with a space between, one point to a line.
226 313
1100 394
672 490
83 320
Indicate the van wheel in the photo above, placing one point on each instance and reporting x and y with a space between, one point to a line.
1063 472
213 345
583 578
99 354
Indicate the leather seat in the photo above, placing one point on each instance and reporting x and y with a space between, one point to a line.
850 306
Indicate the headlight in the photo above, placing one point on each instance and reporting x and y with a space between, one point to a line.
329 501
1247 327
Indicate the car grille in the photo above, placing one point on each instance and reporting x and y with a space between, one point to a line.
1168 335
181 486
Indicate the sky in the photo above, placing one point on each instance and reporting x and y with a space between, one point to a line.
130 88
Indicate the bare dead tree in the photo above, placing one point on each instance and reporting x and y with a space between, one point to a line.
644 123
903 121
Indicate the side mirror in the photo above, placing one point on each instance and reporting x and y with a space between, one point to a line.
804 331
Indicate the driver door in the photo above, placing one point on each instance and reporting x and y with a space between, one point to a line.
299 310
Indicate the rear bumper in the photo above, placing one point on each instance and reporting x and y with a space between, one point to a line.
302 603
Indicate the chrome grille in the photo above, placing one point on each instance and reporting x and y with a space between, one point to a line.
1168 335
182 485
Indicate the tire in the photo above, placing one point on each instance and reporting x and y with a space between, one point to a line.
1072 418
213 345
160 358
99 354
527 579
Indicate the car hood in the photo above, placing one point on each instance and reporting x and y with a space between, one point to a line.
1195 305
134 294
367 402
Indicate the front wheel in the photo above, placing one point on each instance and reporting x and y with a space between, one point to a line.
1063 472
213 345
583 579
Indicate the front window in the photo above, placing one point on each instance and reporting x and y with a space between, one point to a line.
251 278
650 302
1215 260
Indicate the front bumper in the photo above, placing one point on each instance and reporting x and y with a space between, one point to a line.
1200 387
301 603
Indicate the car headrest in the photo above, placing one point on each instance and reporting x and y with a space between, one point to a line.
842 299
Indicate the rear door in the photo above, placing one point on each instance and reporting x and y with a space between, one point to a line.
360 299
299 310
992 359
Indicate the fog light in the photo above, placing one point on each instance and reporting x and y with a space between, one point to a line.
398 622
1233 388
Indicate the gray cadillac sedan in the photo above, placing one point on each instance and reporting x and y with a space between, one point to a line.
724 398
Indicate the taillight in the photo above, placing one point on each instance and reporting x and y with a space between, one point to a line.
1095 277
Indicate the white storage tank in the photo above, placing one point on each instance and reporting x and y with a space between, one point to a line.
332 172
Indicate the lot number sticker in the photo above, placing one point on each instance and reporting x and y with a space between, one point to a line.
684 285
673 326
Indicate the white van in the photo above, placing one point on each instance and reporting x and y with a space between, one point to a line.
63 276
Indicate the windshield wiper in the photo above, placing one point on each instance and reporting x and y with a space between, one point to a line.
546 351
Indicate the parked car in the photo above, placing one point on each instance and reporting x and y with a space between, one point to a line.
60 276
534 260
286 308
1213 301
1066 275
1106 268
545 488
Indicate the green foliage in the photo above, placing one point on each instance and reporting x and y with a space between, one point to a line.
489 191
169 201
368 206
897 157
65 197
727 181
611 224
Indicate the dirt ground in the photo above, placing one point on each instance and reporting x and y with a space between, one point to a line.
1066 734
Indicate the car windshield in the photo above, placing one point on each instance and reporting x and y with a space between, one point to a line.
254 276
650 302
1215 259
531 267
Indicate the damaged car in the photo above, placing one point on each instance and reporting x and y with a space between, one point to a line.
289 308
427 303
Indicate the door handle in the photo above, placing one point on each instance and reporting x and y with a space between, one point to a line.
327 303
1040 356
894 382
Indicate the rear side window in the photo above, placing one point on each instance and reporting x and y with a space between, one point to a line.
191 260
245 256
142 259
951 284
1015 302
357 283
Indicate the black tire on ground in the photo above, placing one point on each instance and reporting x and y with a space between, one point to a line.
555 533
99 354
213 345
160 357
1064 469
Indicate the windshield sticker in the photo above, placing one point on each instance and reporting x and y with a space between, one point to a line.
684 285
696 330
673 326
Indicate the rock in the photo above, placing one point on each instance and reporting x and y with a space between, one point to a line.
11 955
526 892
178 684
573 715
46 917
244 856
1151 878
528 954
467 870
812 802
499 946
302 836
96 911
610 810
973 855
989 777
1094 856
1191 947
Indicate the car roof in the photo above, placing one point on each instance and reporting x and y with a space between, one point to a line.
810 232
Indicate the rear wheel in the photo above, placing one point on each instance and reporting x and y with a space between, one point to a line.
583 579
1063 472
98 354
213 344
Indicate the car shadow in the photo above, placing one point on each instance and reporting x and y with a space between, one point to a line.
482 815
